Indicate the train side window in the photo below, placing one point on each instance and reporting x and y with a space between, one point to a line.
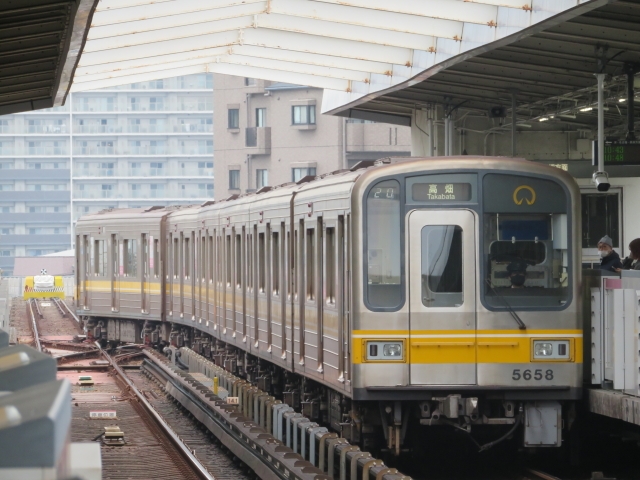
176 258
384 246
211 261
238 261
203 258
227 253
442 266
262 278
330 262
275 260
156 258
187 258
100 257
250 262
310 264
131 257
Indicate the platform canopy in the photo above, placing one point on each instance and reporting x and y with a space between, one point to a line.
40 42
549 67
351 48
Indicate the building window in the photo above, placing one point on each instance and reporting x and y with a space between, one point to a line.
261 117
299 173
600 217
234 179
249 82
303 114
262 178
234 118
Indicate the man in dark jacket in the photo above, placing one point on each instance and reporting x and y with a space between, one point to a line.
609 260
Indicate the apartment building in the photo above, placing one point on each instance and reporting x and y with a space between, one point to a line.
272 133
143 144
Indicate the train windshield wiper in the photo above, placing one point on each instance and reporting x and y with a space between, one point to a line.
514 315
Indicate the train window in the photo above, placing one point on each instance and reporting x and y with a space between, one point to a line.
131 257
227 254
384 281
176 258
187 258
155 258
275 260
211 260
330 240
238 261
101 257
527 260
442 266
250 261
261 263
203 258
311 264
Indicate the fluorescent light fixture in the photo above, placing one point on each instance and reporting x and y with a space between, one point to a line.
525 125
622 100
586 109
543 119
568 115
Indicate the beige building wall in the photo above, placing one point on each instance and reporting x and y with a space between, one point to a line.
279 146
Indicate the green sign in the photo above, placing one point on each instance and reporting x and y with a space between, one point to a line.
619 153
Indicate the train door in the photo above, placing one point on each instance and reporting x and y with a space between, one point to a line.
116 271
441 262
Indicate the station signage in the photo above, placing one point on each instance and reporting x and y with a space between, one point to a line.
621 152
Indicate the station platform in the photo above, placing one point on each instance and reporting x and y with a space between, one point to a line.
614 404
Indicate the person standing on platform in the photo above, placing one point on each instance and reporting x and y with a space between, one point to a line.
609 259
632 262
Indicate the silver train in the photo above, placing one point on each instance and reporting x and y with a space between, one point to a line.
399 295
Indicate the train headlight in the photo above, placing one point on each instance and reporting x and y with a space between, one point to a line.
543 349
392 350
552 350
384 351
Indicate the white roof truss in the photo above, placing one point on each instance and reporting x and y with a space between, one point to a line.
352 48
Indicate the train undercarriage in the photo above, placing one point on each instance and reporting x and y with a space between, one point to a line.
389 427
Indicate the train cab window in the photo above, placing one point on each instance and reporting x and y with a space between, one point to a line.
384 248
526 243
442 266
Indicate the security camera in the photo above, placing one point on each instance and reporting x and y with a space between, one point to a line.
601 179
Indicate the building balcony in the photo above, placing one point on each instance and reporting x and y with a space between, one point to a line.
36 174
46 151
148 150
195 106
158 107
193 128
53 239
48 218
196 150
259 140
97 129
26 196
90 194
94 151
102 107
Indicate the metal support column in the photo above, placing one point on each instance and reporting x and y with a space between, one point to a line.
600 177
452 130
631 72
446 136
513 124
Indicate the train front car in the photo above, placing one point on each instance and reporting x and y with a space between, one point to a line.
466 305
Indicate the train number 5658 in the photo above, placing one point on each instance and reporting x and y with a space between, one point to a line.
532 374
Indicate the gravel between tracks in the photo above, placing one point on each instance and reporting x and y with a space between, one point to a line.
219 464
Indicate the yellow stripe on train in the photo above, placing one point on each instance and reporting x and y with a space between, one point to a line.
466 346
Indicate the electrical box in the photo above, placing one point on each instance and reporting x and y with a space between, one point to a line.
583 145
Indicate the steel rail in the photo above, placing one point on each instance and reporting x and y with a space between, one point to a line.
167 430
538 475
34 327
73 315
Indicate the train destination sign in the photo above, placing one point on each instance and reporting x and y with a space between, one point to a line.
436 192
619 153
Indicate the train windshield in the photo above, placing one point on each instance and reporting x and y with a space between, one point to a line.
526 244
